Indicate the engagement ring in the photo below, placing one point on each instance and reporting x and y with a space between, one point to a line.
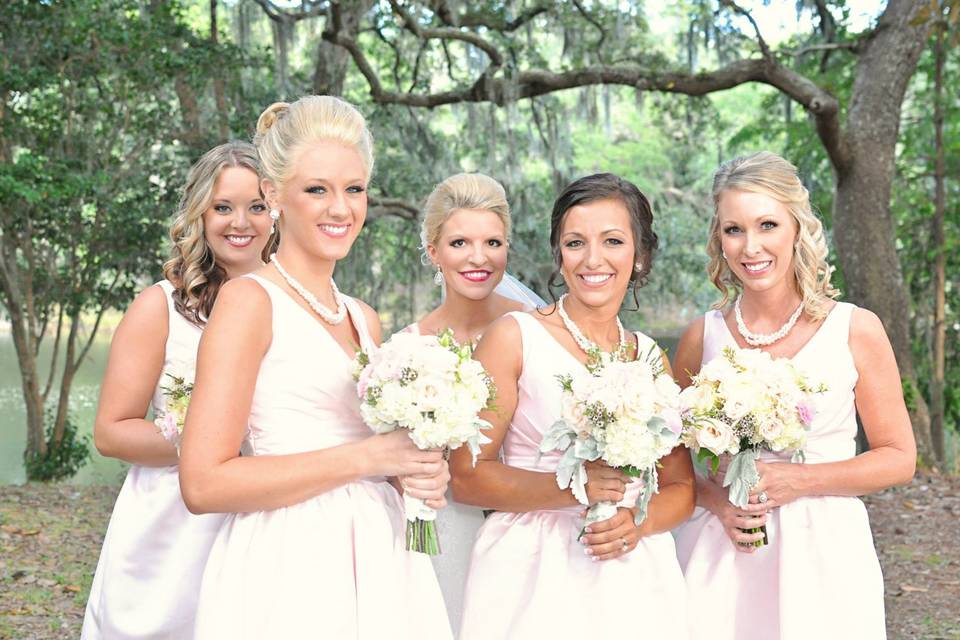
763 497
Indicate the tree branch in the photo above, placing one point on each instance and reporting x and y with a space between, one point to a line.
494 23
603 32
853 46
449 33
379 207
308 9
764 49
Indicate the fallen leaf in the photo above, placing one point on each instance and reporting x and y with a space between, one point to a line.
32 532
909 588
71 587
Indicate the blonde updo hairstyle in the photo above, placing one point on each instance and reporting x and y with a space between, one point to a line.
462 191
769 174
192 267
285 129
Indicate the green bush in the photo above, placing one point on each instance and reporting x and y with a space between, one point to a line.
60 462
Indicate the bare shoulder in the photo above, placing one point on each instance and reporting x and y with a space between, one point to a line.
373 320
502 332
241 300
150 304
147 314
686 361
867 333
691 341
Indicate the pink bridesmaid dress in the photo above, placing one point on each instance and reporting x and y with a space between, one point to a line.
333 566
153 554
819 577
529 576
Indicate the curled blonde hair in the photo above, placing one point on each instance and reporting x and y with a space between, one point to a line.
192 267
769 174
462 191
283 129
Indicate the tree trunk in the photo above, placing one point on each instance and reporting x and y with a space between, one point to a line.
66 381
863 227
333 61
939 244
218 88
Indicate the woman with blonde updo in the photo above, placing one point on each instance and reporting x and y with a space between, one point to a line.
314 545
154 551
465 234
818 576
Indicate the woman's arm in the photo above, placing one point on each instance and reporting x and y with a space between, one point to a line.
494 485
213 476
892 457
137 352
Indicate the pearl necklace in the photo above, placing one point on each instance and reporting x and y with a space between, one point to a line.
328 316
588 346
761 339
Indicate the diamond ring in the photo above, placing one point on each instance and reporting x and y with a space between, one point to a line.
762 497
623 541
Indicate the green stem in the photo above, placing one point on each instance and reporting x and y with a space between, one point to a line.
422 537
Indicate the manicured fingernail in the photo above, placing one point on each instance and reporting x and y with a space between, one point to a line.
594 559
589 552
588 529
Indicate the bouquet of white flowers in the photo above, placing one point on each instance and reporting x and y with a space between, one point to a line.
623 412
743 401
432 386
170 419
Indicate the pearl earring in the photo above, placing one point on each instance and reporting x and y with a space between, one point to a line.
438 277
638 267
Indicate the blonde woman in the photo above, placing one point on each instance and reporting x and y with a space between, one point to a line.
466 232
153 554
314 546
819 576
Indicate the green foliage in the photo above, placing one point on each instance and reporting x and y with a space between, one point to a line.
60 462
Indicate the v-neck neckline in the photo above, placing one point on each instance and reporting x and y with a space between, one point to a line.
559 345
799 351
350 318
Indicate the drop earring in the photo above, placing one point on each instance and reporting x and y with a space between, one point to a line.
638 267
438 277
274 216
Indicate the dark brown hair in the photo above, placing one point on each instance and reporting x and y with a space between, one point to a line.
603 186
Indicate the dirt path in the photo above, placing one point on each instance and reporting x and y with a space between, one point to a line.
50 539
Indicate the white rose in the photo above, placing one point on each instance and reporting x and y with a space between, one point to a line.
716 436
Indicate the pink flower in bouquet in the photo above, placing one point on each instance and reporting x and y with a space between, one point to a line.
805 411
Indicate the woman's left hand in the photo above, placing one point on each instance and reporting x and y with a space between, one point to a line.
613 537
431 489
780 482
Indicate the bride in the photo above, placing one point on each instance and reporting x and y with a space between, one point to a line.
465 233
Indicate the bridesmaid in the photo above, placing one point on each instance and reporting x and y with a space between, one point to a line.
314 544
466 231
529 577
819 575
154 549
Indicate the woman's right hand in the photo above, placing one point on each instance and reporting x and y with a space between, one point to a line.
604 484
395 454
713 497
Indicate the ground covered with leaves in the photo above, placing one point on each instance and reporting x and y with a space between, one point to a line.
50 538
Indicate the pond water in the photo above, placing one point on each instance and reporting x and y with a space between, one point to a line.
86 388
